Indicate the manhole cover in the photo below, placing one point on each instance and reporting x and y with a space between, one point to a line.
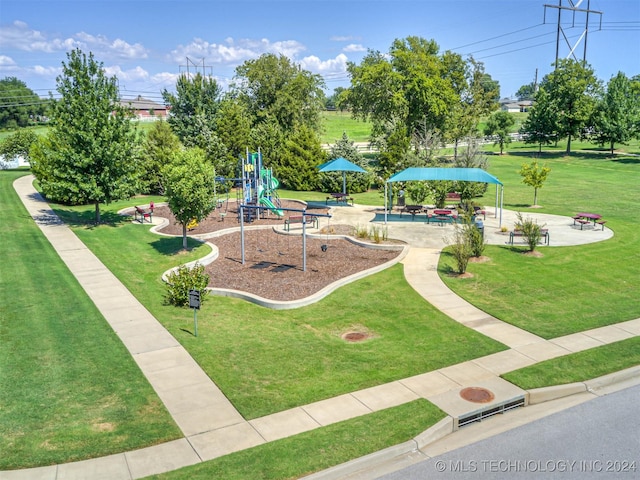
477 395
355 336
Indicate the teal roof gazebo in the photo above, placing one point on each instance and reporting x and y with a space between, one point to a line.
451 174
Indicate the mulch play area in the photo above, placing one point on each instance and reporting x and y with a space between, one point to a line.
273 266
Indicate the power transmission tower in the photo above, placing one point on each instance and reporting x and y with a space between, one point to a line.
579 16
191 65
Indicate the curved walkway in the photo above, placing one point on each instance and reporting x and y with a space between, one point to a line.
211 425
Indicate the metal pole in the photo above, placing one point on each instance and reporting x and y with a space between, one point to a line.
195 321
558 33
304 241
385 202
242 232
501 204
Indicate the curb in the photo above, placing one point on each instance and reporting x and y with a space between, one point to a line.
623 378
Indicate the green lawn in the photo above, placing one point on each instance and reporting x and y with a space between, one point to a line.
319 449
570 289
580 366
267 360
69 389
335 123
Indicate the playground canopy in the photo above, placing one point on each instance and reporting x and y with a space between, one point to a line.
452 174
341 165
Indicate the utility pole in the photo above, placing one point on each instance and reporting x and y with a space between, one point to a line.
578 16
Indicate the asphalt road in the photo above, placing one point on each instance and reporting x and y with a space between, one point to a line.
594 440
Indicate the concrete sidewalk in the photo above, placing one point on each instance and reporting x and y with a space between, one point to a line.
212 427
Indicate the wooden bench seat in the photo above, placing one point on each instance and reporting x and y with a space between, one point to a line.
544 235
312 219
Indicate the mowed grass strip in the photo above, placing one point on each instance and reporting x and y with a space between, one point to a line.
569 289
319 449
335 123
580 366
69 390
266 361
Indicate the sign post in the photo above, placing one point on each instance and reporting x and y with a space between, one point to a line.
194 302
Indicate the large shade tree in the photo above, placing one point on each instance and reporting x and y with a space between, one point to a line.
273 88
193 107
616 117
411 84
21 106
90 153
572 89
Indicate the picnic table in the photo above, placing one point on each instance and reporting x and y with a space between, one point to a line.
585 218
442 216
339 198
412 209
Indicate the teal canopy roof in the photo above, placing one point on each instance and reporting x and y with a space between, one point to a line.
340 165
454 174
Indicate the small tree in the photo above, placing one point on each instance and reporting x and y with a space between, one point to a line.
498 126
461 248
189 186
18 144
531 231
534 176
477 243
159 147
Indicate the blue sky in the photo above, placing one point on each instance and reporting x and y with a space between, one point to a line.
146 43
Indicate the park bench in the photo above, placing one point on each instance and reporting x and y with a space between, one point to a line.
453 198
601 223
312 219
140 214
544 235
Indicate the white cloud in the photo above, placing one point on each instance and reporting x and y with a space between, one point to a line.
343 38
354 47
324 67
233 52
7 61
134 74
51 72
19 36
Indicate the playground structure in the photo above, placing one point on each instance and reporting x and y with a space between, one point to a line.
259 186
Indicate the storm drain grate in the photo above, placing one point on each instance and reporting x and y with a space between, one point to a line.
490 412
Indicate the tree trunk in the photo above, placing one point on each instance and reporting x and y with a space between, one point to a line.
569 145
184 236
455 150
612 148
535 197
97 212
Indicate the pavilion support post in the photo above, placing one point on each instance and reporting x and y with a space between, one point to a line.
385 202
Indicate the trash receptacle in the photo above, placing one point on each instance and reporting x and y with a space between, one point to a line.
480 227
401 198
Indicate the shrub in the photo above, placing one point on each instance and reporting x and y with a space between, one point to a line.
183 279
531 231
476 239
461 248
362 231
